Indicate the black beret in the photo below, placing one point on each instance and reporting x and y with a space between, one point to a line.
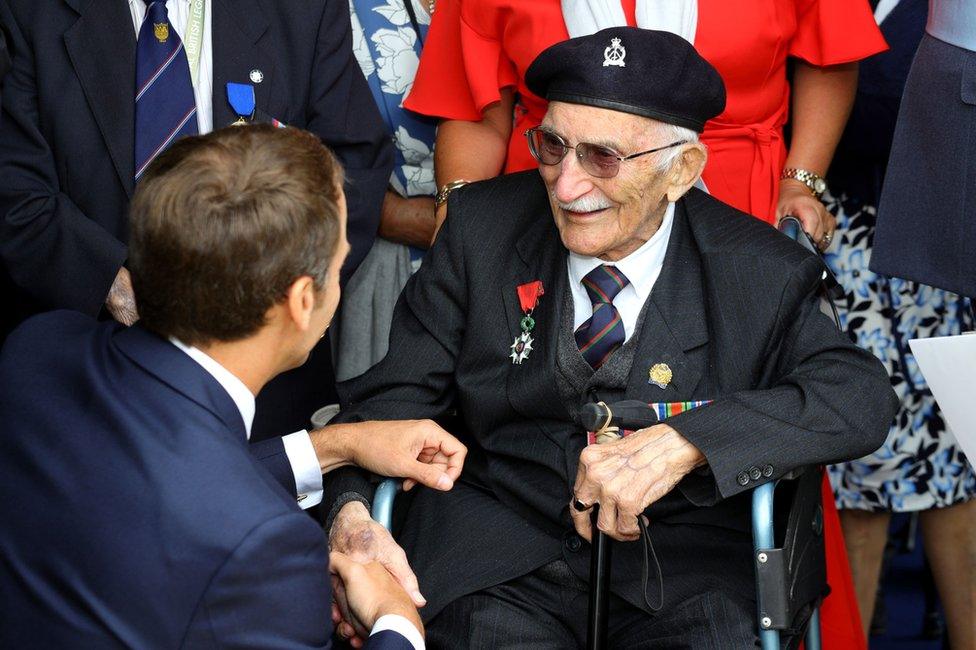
641 71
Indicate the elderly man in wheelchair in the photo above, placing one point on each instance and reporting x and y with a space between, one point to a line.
602 277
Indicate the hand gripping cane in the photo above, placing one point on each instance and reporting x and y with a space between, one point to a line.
606 422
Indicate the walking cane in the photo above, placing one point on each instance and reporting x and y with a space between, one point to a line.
605 422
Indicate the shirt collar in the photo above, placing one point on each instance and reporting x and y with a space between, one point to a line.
241 394
639 267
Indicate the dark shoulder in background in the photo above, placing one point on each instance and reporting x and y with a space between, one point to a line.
862 154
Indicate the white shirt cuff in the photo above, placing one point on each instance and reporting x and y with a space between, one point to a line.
397 623
305 466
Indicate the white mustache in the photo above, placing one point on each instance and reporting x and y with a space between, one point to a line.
586 204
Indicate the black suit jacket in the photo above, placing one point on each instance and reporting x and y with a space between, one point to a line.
66 163
4 56
133 514
733 314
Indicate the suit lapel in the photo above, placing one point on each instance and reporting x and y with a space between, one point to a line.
674 330
181 373
239 29
532 387
102 48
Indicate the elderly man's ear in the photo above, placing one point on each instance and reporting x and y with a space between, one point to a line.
686 170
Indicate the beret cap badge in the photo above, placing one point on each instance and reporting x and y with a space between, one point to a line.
615 54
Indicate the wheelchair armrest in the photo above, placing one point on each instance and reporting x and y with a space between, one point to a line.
386 491
791 578
382 510
792 228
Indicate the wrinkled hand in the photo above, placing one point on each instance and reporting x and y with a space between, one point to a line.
355 534
362 593
627 475
795 199
419 451
121 300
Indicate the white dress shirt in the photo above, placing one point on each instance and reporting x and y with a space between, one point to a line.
642 268
179 13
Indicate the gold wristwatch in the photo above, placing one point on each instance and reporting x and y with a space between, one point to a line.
814 182
441 197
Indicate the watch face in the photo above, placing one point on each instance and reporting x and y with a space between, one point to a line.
819 185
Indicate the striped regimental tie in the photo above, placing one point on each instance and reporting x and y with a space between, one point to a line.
600 335
165 107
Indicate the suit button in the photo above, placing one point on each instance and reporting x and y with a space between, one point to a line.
768 471
754 473
573 543
742 478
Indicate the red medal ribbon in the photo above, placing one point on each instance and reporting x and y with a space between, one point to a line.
529 294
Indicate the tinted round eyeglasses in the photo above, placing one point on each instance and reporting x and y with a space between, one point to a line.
602 162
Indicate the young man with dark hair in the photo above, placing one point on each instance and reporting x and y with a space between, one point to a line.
134 513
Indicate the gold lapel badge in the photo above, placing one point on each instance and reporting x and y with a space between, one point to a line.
659 375
161 31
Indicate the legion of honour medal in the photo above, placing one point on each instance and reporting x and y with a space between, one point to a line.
528 294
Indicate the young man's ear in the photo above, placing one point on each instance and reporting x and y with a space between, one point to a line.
300 302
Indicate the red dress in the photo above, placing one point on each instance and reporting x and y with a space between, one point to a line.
475 48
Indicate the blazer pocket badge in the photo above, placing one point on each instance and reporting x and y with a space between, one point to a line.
660 375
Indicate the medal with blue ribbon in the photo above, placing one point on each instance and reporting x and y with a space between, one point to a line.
241 99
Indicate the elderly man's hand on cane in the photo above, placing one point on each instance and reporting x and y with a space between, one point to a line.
625 476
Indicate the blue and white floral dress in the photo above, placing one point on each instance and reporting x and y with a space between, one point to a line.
920 466
387 37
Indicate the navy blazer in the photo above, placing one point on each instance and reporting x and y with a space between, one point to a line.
66 163
133 514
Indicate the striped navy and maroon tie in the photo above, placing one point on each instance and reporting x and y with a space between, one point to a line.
603 332
165 107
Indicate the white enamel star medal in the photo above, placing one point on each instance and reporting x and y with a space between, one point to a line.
521 348
528 294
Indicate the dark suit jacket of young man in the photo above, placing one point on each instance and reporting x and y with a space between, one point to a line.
733 314
133 514
66 164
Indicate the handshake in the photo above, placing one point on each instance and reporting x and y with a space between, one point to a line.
370 574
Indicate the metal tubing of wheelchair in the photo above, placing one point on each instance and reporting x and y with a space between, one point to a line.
596 629
382 510
813 632
790 226
762 537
